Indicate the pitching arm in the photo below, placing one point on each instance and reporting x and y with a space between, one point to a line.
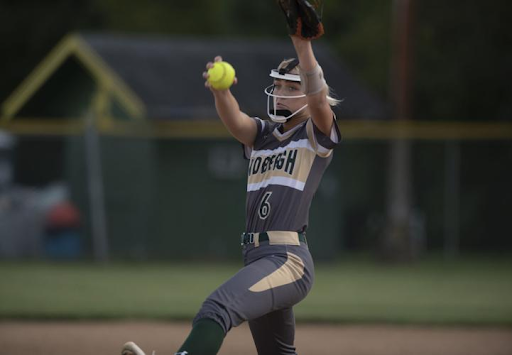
239 124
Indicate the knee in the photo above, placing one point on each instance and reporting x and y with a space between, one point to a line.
217 312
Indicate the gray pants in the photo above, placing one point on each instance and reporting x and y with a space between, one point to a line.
274 279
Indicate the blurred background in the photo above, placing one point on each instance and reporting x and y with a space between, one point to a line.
111 148
122 196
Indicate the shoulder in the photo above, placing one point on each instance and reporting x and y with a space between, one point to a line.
323 144
263 137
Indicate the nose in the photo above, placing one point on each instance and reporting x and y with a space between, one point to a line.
280 101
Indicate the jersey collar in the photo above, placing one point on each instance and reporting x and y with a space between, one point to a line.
282 136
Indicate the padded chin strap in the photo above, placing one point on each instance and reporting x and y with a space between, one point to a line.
283 113
283 116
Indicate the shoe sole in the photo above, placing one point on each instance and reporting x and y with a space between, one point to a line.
131 348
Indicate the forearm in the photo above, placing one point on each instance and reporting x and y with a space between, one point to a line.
241 126
316 90
227 108
308 64
305 54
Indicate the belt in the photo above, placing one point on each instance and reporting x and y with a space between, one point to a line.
248 238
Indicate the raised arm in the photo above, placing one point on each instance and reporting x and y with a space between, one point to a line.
239 124
313 82
304 21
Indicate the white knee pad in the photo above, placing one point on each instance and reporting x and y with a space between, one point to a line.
312 82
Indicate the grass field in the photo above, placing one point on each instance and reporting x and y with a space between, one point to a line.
467 291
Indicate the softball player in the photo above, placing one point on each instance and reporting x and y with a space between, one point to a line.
287 158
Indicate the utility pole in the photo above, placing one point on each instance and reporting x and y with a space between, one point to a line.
95 182
397 240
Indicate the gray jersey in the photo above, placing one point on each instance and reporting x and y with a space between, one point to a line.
284 172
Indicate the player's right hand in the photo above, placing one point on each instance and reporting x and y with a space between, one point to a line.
209 65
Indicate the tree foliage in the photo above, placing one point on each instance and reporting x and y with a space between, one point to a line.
462 49
463 52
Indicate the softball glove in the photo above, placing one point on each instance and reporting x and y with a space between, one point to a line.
304 18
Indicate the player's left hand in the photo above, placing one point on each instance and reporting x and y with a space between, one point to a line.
303 17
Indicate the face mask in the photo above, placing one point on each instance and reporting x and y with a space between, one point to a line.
276 115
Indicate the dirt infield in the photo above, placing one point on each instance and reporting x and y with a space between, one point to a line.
106 338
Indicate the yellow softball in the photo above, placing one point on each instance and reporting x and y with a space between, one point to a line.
221 75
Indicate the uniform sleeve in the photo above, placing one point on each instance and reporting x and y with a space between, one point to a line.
323 144
262 127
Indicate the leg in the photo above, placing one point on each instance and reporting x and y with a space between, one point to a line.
222 310
274 333
276 280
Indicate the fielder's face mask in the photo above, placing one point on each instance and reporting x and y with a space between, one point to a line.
273 92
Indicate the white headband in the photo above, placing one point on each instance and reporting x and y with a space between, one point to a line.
274 73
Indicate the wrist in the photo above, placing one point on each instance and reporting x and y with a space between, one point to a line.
221 93
299 42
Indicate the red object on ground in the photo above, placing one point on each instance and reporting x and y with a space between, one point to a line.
63 215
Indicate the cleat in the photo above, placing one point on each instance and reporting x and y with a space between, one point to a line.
131 348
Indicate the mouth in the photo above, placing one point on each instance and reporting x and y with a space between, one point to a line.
281 112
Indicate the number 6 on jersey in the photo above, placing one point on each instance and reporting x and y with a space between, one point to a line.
264 210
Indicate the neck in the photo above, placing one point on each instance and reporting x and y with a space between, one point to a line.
294 122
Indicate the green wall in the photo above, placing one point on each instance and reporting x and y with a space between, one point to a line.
183 199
